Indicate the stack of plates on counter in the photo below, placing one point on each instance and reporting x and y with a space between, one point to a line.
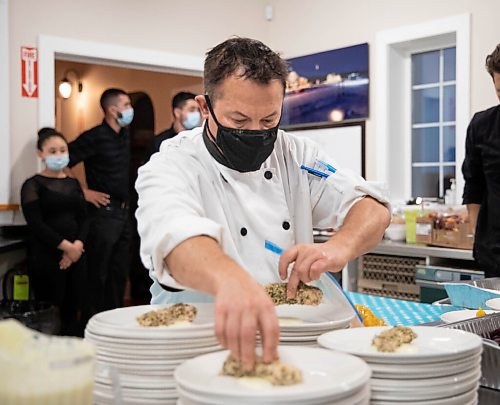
301 325
135 364
328 378
440 367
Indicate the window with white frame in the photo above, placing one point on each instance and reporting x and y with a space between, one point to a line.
433 114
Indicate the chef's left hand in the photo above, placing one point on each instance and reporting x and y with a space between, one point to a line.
310 261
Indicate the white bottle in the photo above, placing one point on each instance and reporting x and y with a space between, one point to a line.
450 197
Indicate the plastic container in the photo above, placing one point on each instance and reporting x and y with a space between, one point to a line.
473 294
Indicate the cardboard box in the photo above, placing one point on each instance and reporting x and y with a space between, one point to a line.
460 238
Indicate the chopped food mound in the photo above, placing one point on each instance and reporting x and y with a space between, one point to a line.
369 318
389 340
276 372
306 295
168 316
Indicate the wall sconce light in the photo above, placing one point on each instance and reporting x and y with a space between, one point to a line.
66 86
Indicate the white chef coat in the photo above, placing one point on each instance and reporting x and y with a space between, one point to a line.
184 192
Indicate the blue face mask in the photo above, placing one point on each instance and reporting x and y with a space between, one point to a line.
57 162
192 121
125 117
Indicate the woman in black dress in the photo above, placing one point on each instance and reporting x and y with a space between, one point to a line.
55 210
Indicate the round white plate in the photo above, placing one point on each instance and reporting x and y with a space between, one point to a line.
425 394
431 345
361 397
494 303
167 355
462 315
153 342
325 374
126 319
300 317
386 384
411 371
468 398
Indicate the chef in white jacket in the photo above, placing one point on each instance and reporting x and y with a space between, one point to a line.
212 196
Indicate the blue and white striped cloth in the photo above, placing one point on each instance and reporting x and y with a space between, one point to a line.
398 312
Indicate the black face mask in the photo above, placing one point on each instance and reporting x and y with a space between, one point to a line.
243 150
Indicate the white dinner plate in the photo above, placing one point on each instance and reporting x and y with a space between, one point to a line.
425 394
126 319
462 315
494 303
388 384
361 397
468 398
411 371
431 345
325 374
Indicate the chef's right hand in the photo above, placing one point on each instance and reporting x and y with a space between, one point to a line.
242 308
96 198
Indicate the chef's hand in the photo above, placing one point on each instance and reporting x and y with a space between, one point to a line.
310 261
96 198
242 308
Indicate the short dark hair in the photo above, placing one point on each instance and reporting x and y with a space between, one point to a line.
180 99
45 134
493 61
248 57
109 97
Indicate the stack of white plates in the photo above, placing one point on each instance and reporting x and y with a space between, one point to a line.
328 378
135 364
441 367
301 325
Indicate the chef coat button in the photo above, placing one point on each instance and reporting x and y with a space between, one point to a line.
268 175
243 231
286 225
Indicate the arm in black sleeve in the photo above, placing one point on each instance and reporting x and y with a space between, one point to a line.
472 168
82 217
33 214
81 148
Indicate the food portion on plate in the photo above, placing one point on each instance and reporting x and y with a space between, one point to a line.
275 372
392 339
306 294
369 318
177 313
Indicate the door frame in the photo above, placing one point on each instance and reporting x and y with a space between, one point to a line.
51 48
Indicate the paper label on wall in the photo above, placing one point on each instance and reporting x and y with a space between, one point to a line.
29 72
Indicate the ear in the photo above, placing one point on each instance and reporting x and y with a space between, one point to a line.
177 113
203 106
39 154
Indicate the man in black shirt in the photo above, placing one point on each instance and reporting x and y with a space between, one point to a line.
481 171
186 116
105 151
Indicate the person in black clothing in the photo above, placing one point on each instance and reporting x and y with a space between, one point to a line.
105 151
186 116
481 170
55 211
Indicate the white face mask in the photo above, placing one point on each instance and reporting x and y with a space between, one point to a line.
57 162
125 117
192 120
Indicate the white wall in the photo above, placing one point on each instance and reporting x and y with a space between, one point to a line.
301 27
164 25
298 27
